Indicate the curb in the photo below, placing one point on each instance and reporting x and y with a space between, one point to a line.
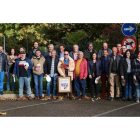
17 95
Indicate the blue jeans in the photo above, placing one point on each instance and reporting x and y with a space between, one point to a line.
21 81
1 81
80 85
128 86
38 80
54 80
138 90
8 81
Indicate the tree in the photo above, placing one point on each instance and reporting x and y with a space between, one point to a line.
113 34
76 37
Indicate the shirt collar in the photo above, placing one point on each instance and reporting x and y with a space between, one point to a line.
138 60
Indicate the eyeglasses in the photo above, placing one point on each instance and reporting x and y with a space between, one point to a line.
66 54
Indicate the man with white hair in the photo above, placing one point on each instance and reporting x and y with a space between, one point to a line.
50 49
50 70
74 56
74 53
112 70
80 74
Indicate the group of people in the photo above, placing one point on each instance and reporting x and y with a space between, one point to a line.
118 68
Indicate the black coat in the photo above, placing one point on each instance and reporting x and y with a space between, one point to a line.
4 64
58 54
109 64
46 55
124 67
98 67
72 55
31 54
48 63
88 54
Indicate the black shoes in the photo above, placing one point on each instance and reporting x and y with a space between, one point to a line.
111 99
118 98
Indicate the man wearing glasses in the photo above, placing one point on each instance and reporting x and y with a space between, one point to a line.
124 49
66 67
87 55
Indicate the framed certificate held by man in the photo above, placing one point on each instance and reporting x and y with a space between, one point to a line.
64 84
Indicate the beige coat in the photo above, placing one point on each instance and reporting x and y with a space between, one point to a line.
9 59
38 65
62 70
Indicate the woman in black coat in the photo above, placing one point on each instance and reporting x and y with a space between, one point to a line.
126 74
94 72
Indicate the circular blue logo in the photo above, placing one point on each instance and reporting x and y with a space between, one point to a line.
128 29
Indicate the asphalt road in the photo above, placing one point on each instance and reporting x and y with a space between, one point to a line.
70 108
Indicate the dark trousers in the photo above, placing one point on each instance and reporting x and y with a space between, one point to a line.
133 89
122 89
104 79
94 88
88 82
128 86
32 80
73 85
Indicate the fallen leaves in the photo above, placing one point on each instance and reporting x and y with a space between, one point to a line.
44 99
4 113
4 99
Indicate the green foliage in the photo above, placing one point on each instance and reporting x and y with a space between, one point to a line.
76 37
66 34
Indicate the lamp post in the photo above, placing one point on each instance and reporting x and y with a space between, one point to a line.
27 43
4 43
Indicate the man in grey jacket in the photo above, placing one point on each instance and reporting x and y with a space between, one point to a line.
3 68
75 52
105 47
112 69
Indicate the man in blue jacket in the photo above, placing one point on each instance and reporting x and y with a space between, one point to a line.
3 68
22 69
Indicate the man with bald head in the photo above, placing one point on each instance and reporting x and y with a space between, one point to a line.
119 48
105 47
112 69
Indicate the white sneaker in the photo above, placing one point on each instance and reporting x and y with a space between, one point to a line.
96 98
137 101
92 99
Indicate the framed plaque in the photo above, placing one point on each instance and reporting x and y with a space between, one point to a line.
64 84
